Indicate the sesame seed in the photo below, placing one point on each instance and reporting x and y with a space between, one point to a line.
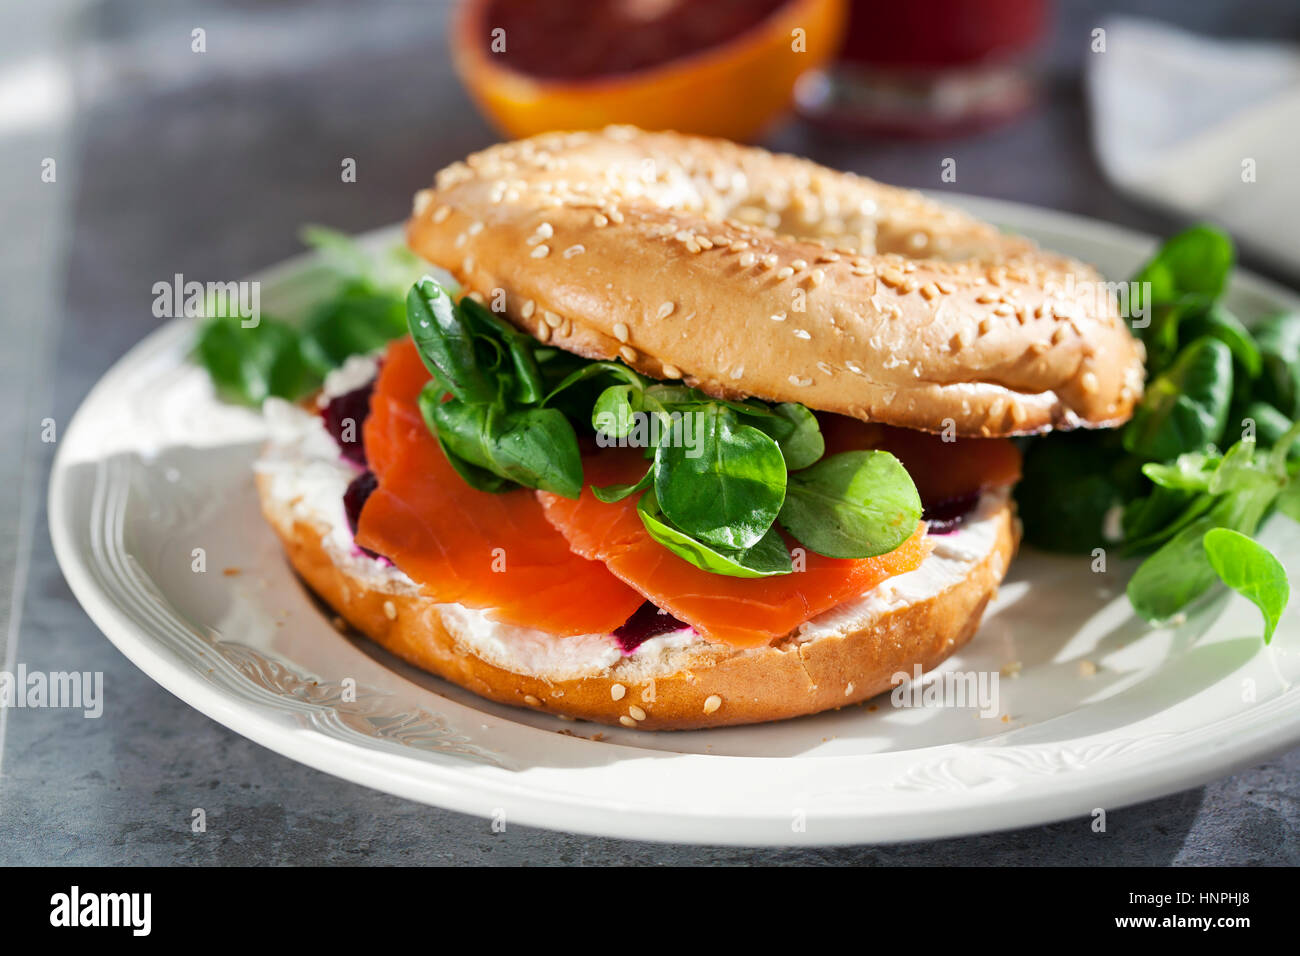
441 213
600 220
892 278
778 317
817 276
738 371
390 610
985 326
615 217
712 703
1088 382
799 264
799 382
617 691
672 371
747 259
801 334
475 228
665 310
620 331
543 332
1003 309
770 261
575 250
784 272
528 309
692 246
636 713
930 291
848 688
545 230
531 701
541 252
628 354
551 319
627 721
739 245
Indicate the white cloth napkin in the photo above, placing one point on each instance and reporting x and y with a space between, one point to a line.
1176 117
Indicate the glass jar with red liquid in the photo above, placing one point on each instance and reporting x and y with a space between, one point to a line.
928 67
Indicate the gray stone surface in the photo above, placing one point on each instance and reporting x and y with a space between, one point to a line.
207 165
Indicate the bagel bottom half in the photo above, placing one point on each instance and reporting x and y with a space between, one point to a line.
711 685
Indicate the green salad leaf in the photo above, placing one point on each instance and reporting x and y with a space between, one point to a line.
1197 261
801 446
247 365
729 490
766 557
446 343
1250 569
1278 338
1186 407
857 504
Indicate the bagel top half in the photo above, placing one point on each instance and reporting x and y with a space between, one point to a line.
748 273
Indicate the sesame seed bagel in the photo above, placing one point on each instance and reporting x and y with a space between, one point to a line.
748 273
686 687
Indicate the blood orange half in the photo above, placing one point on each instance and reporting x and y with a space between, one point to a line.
722 68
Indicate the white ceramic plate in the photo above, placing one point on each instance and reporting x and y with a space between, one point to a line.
152 467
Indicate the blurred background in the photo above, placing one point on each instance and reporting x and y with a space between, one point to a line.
139 139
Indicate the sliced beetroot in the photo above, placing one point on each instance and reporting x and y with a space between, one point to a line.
646 622
344 415
354 499
948 515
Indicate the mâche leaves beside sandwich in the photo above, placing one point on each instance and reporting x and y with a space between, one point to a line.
1210 451
359 307
700 435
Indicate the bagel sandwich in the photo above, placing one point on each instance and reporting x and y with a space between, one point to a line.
698 436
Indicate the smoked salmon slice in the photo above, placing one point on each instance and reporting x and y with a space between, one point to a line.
464 546
743 612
